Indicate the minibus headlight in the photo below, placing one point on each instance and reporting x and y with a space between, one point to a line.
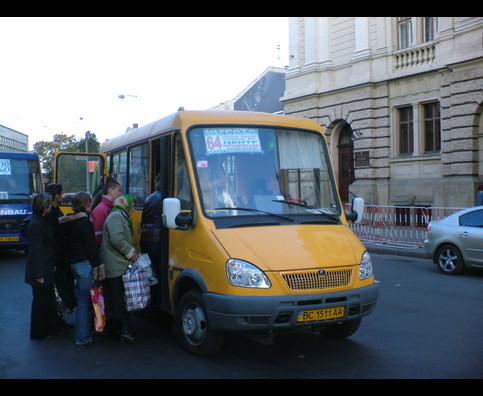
365 267
243 274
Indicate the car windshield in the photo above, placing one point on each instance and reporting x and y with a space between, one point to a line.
244 171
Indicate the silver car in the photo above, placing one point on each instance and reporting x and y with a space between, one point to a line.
456 241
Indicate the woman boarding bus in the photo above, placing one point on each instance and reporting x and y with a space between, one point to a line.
255 237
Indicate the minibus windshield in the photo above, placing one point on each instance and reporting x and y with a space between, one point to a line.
248 171
19 178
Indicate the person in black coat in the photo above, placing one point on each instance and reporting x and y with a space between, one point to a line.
40 271
85 261
150 241
64 279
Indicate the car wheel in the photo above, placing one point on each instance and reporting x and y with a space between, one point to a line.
194 331
449 260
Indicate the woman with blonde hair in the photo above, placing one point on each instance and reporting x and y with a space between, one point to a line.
117 251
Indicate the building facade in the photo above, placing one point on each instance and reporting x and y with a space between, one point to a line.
262 94
13 141
401 101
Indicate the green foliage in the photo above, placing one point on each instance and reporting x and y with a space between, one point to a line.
62 142
92 146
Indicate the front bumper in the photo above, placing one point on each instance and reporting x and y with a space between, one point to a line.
242 313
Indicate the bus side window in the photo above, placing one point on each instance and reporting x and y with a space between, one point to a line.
118 169
139 173
182 187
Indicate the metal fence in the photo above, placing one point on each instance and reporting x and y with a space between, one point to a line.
398 224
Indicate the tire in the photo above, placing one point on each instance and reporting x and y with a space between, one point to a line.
449 260
192 326
341 330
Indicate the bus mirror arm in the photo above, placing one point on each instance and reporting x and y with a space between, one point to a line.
357 210
183 222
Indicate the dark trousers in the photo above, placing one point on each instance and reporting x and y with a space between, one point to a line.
43 319
64 281
114 300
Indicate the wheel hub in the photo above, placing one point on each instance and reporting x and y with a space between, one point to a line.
194 323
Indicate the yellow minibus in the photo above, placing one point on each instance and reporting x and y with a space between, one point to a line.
255 237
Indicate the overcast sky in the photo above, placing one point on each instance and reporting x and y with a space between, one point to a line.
64 74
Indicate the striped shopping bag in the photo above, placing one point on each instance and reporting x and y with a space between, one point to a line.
136 287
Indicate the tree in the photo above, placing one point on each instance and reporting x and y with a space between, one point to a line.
62 142
92 145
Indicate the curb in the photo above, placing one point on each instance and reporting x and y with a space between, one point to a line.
395 249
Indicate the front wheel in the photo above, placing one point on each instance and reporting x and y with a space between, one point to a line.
194 331
342 330
449 260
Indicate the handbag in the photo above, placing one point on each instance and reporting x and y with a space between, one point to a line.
60 305
136 287
97 298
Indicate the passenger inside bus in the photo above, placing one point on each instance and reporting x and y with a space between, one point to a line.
215 183
10 185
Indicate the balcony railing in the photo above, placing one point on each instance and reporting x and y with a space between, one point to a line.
414 56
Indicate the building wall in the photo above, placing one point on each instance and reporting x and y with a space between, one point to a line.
13 141
350 70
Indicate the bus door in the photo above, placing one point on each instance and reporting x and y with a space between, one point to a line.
79 172
160 165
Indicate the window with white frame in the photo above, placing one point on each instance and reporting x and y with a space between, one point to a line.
430 27
416 30
405 32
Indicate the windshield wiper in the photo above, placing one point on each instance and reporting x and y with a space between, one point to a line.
15 193
303 204
257 210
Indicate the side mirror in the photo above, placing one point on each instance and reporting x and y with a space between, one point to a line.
172 217
357 210
171 209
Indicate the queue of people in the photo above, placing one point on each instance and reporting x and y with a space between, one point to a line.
96 246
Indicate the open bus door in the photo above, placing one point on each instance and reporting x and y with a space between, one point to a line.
79 172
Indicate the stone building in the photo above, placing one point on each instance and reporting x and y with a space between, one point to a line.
262 94
13 141
401 100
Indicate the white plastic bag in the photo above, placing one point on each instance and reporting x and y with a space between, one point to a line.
144 262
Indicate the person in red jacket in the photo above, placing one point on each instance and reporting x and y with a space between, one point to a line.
111 191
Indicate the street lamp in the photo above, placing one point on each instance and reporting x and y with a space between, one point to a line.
122 96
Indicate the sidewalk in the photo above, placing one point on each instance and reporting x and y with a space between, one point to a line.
397 249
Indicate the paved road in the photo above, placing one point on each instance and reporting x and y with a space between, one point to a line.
426 325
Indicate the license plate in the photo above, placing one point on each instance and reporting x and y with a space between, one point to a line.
9 239
313 315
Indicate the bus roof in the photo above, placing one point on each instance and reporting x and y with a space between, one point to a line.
184 119
4 154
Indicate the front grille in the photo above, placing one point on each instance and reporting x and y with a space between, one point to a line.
311 280
7 224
